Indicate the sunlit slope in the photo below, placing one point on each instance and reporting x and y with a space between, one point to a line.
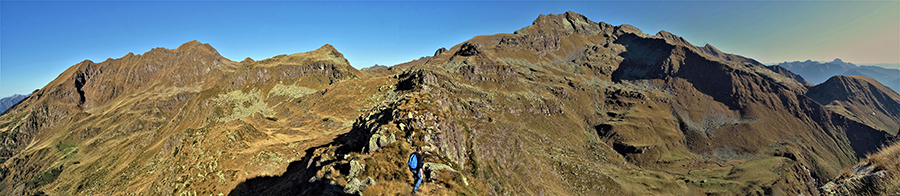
178 121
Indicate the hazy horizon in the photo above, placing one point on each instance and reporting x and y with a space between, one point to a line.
42 39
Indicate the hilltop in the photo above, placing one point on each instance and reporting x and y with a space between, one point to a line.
564 106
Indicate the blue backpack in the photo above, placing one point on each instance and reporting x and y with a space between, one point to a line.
413 161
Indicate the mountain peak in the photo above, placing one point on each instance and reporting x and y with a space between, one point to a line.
868 99
837 60
566 22
672 38
326 53
843 87
327 48
330 51
195 45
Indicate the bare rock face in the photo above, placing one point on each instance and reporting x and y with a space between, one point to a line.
440 51
467 49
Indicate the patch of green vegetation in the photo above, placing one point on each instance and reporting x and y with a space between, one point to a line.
65 148
293 91
453 66
756 170
473 162
44 178
244 104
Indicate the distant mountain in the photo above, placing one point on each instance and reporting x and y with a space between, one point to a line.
787 73
865 101
8 102
861 99
884 65
374 67
817 72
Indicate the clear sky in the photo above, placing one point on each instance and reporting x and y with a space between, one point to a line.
39 40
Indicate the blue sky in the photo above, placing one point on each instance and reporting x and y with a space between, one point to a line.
39 40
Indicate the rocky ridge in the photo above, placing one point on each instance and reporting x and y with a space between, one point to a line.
819 72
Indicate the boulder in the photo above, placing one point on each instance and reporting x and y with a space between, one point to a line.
467 49
376 141
440 51
432 170
355 186
356 168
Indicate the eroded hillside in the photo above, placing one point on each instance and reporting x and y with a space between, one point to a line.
178 121
565 106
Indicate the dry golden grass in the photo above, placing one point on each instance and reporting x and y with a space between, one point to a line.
888 159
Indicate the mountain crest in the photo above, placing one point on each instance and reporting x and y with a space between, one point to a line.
325 53
195 45
568 23
860 98
672 38
329 50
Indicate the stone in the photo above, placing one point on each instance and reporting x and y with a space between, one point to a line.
432 169
373 142
369 181
354 187
356 168
382 141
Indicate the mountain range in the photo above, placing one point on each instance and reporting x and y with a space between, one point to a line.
564 106
8 102
818 72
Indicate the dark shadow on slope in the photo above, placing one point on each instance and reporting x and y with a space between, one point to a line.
648 58
297 180
863 138
643 58
408 81
300 176
606 131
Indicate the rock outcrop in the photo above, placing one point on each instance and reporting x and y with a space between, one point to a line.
440 51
